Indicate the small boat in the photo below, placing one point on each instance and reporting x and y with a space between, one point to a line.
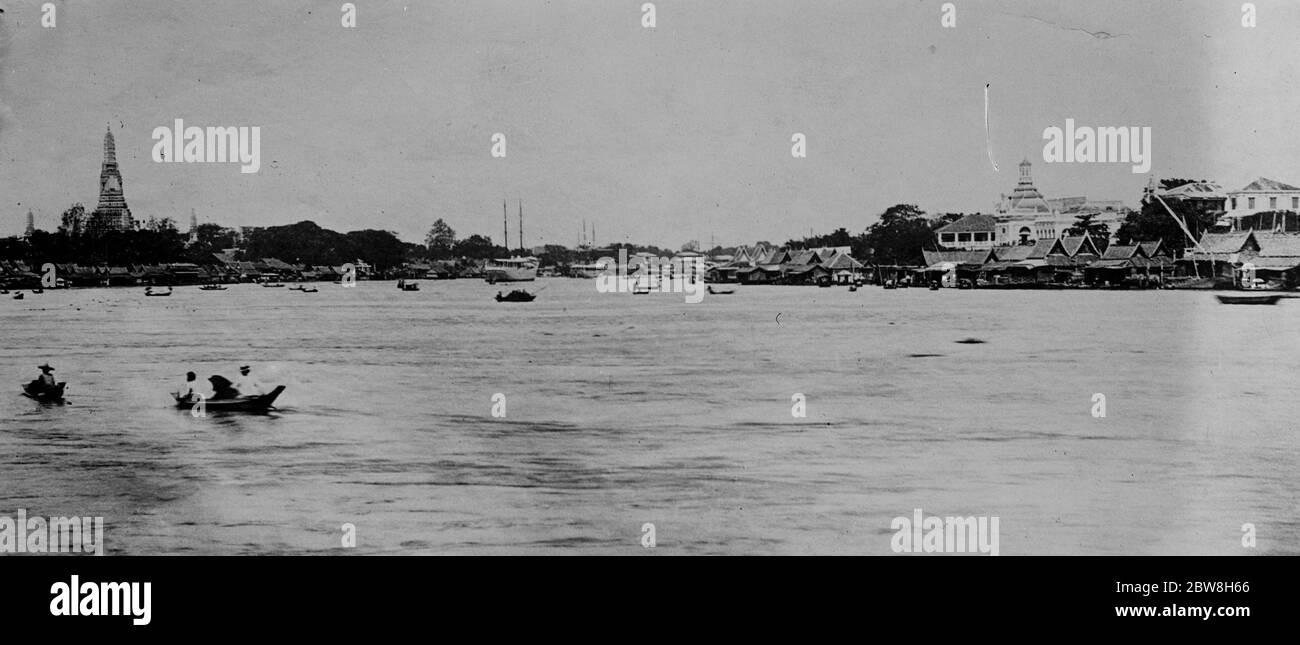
934 286
18 296
306 290
518 295
720 292
889 284
259 403
1253 299
853 288
277 285
212 287
408 286
38 290
151 292
50 395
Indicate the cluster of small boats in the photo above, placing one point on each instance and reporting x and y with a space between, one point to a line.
260 403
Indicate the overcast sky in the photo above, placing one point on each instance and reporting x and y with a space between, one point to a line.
656 135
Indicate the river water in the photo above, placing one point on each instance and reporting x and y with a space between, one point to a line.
622 410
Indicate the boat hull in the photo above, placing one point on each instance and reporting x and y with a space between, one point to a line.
260 403
499 274
1270 299
53 395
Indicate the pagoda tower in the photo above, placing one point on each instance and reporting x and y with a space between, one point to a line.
112 213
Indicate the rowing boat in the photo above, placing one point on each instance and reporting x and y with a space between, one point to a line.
48 395
259 403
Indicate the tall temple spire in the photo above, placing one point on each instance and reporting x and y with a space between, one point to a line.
112 213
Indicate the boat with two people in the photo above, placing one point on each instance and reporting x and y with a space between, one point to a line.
227 398
408 285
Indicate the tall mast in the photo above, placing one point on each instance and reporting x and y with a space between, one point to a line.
505 223
521 223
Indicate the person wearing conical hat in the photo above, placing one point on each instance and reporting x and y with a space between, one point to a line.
46 379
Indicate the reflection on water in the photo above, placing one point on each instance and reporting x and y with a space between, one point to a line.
625 409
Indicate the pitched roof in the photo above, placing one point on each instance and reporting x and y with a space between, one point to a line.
1044 248
1226 242
957 257
1276 263
1122 252
776 256
1013 253
827 252
1278 244
1264 184
1195 190
977 222
1151 249
1079 244
804 257
843 261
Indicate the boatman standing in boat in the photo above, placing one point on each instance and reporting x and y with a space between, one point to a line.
247 384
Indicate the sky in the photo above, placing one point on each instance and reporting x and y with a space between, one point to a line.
656 136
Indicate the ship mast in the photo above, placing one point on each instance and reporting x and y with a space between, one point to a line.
521 225
505 224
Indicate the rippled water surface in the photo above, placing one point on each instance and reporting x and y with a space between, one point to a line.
622 410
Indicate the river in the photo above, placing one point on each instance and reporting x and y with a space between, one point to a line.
622 410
